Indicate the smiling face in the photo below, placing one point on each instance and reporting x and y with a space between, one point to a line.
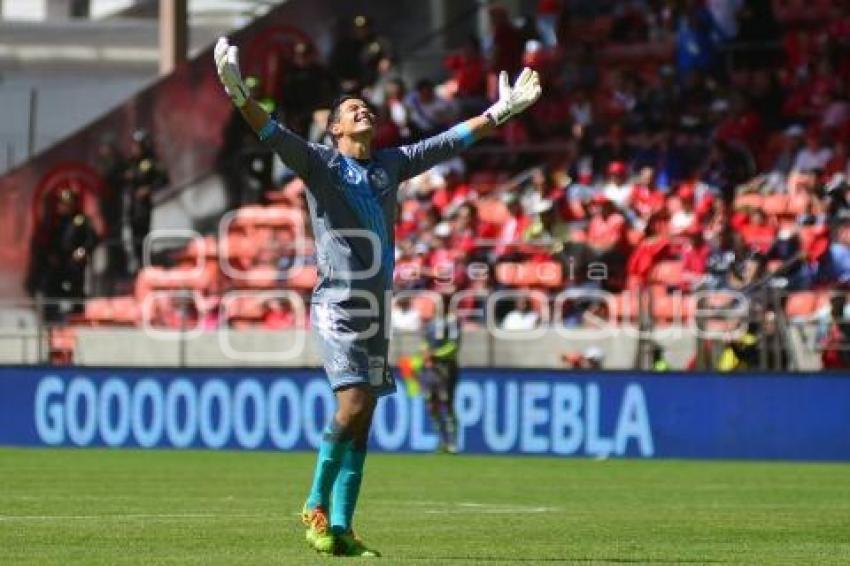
352 118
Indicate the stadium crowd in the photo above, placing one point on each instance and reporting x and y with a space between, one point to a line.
679 146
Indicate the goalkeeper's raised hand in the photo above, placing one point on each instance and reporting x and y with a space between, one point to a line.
227 65
513 100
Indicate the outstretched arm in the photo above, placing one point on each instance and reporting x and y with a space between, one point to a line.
293 151
512 100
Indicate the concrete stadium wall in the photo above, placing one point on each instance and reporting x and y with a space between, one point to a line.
479 348
134 347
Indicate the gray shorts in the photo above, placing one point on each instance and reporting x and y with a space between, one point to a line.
354 349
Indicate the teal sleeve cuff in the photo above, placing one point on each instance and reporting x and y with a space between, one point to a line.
267 130
464 133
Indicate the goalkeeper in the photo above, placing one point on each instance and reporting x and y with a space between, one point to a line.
352 203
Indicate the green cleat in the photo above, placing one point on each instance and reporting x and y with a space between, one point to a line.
349 544
319 535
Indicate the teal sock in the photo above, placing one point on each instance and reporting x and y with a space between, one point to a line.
347 489
331 452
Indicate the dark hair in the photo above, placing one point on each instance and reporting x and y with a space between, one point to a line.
424 83
333 117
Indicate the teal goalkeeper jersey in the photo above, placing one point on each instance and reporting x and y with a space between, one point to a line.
353 205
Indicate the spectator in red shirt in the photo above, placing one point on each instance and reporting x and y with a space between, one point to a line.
740 124
646 198
835 354
469 73
695 256
652 249
465 230
607 227
441 263
512 230
757 233
606 238
395 110
682 210
839 163
507 42
451 190
800 51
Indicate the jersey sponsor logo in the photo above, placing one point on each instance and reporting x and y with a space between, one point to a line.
379 178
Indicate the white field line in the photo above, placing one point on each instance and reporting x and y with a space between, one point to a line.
131 516
430 508
470 507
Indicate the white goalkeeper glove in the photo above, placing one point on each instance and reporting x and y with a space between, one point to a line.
227 64
512 101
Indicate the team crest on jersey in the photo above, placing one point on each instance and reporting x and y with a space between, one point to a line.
351 175
379 178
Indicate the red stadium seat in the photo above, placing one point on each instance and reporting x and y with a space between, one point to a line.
98 311
261 277
669 273
749 200
492 211
250 215
506 273
125 311
550 274
526 275
801 304
302 278
797 204
724 327
157 278
578 236
243 311
484 181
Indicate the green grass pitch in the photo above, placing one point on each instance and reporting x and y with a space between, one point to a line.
173 507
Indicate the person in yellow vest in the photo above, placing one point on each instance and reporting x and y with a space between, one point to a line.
740 354
659 362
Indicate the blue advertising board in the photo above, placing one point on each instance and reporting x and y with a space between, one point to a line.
557 413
